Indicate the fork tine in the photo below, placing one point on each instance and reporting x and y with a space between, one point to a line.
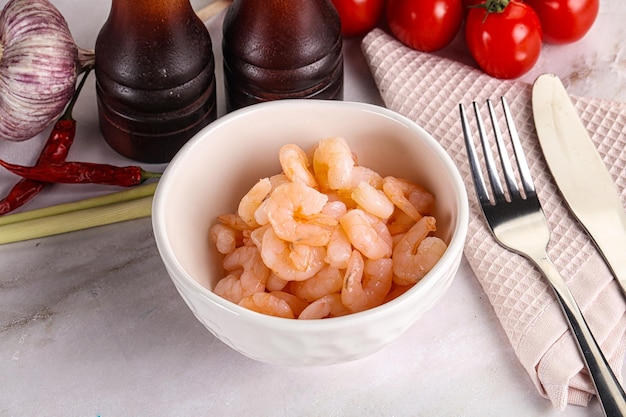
477 176
522 164
505 161
496 185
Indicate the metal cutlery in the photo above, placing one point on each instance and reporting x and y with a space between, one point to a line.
517 222
579 172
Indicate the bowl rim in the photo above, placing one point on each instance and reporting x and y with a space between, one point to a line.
455 246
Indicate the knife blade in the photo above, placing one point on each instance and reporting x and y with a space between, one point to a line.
580 172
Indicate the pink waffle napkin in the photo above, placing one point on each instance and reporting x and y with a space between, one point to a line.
428 89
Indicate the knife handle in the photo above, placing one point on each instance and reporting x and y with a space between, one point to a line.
608 389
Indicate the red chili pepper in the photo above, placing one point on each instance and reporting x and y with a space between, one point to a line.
83 173
55 150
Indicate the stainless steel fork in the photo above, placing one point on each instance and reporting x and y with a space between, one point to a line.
517 221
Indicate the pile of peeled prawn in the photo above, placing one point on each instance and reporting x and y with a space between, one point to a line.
325 237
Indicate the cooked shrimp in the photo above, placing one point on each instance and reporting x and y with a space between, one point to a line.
294 211
325 237
295 165
333 163
234 221
372 200
363 174
275 283
260 215
399 222
367 233
366 282
266 303
301 255
344 196
276 255
338 249
278 179
422 200
255 236
327 281
224 238
398 190
396 291
429 251
296 304
230 287
415 254
334 209
328 306
249 259
252 200
248 274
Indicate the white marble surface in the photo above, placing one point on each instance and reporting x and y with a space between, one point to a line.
91 325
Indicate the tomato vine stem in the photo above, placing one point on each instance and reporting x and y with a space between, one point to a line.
492 6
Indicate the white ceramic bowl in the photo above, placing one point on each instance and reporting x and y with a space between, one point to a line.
211 173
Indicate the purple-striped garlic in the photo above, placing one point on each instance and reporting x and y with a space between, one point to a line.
39 64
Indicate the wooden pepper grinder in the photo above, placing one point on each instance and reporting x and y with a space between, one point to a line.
155 77
278 49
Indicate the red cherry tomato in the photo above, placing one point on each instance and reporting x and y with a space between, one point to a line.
471 3
565 21
425 25
505 44
468 4
358 16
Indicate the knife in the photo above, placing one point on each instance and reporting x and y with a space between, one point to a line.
579 172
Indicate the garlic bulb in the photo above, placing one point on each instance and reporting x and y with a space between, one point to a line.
39 63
